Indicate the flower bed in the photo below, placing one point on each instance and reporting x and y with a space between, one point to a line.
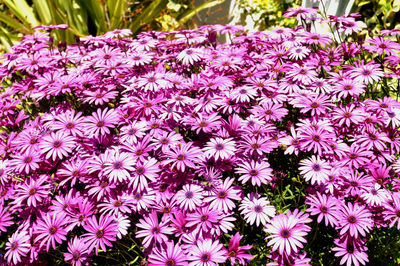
174 149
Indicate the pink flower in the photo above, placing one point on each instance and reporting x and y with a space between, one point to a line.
354 219
153 231
315 169
256 209
221 197
183 155
259 172
171 255
100 122
220 148
33 190
78 253
100 233
17 246
50 229
325 207
189 197
207 253
118 166
57 145
148 170
236 253
287 234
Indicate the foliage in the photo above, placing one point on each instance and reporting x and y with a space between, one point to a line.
93 17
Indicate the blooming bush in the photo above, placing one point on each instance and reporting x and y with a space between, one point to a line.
174 149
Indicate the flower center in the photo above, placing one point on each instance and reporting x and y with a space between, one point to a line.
33 140
323 209
138 196
374 192
347 87
352 219
314 105
253 172
32 191
170 262
99 233
52 230
285 233
28 159
140 170
166 209
70 125
373 137
117 203
222 194
295 142
76 255
232 254
57 144
366 72
164 141
117 165
180 157
316 138
203 124
155 230
268 112
205 257
316 167
352 155
14 245
204 218
219 146
258 208
189 194
303 71
100 124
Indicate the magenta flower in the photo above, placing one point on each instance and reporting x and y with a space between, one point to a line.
207 253
315 169
100 233
183 155
33 191
26 162
5 218
220 148
17 246
152 230
57 145
100 122
222 197
77 252
189 197
172 255
259 172
236 253
325 207
287 234
354 219
118 166
143 171
257 209
51 229
351 251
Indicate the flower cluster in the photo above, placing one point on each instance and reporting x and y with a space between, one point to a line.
178 141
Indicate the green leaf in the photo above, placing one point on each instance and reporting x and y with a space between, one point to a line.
148 14
13 23
22 11
95 11
43 10
116 11
190 13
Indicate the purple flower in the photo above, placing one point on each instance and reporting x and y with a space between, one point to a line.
51 229
207 253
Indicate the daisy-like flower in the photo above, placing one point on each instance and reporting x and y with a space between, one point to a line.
204 219
69 122
392 212
354 219
325 207
318 104
256 209
315 169
286 233
17 246
207 253
50 229
376 195
259 172
352 251
190 55
100 122
220 148
26 162
222 196
183 155
356 156
117 169
77 253
132 132
236 253
100 233
33 191
368 73
206 123
189 197
382 45
298 52
348 87
346 115
171 255
57 145
143 171
152 230
5 218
